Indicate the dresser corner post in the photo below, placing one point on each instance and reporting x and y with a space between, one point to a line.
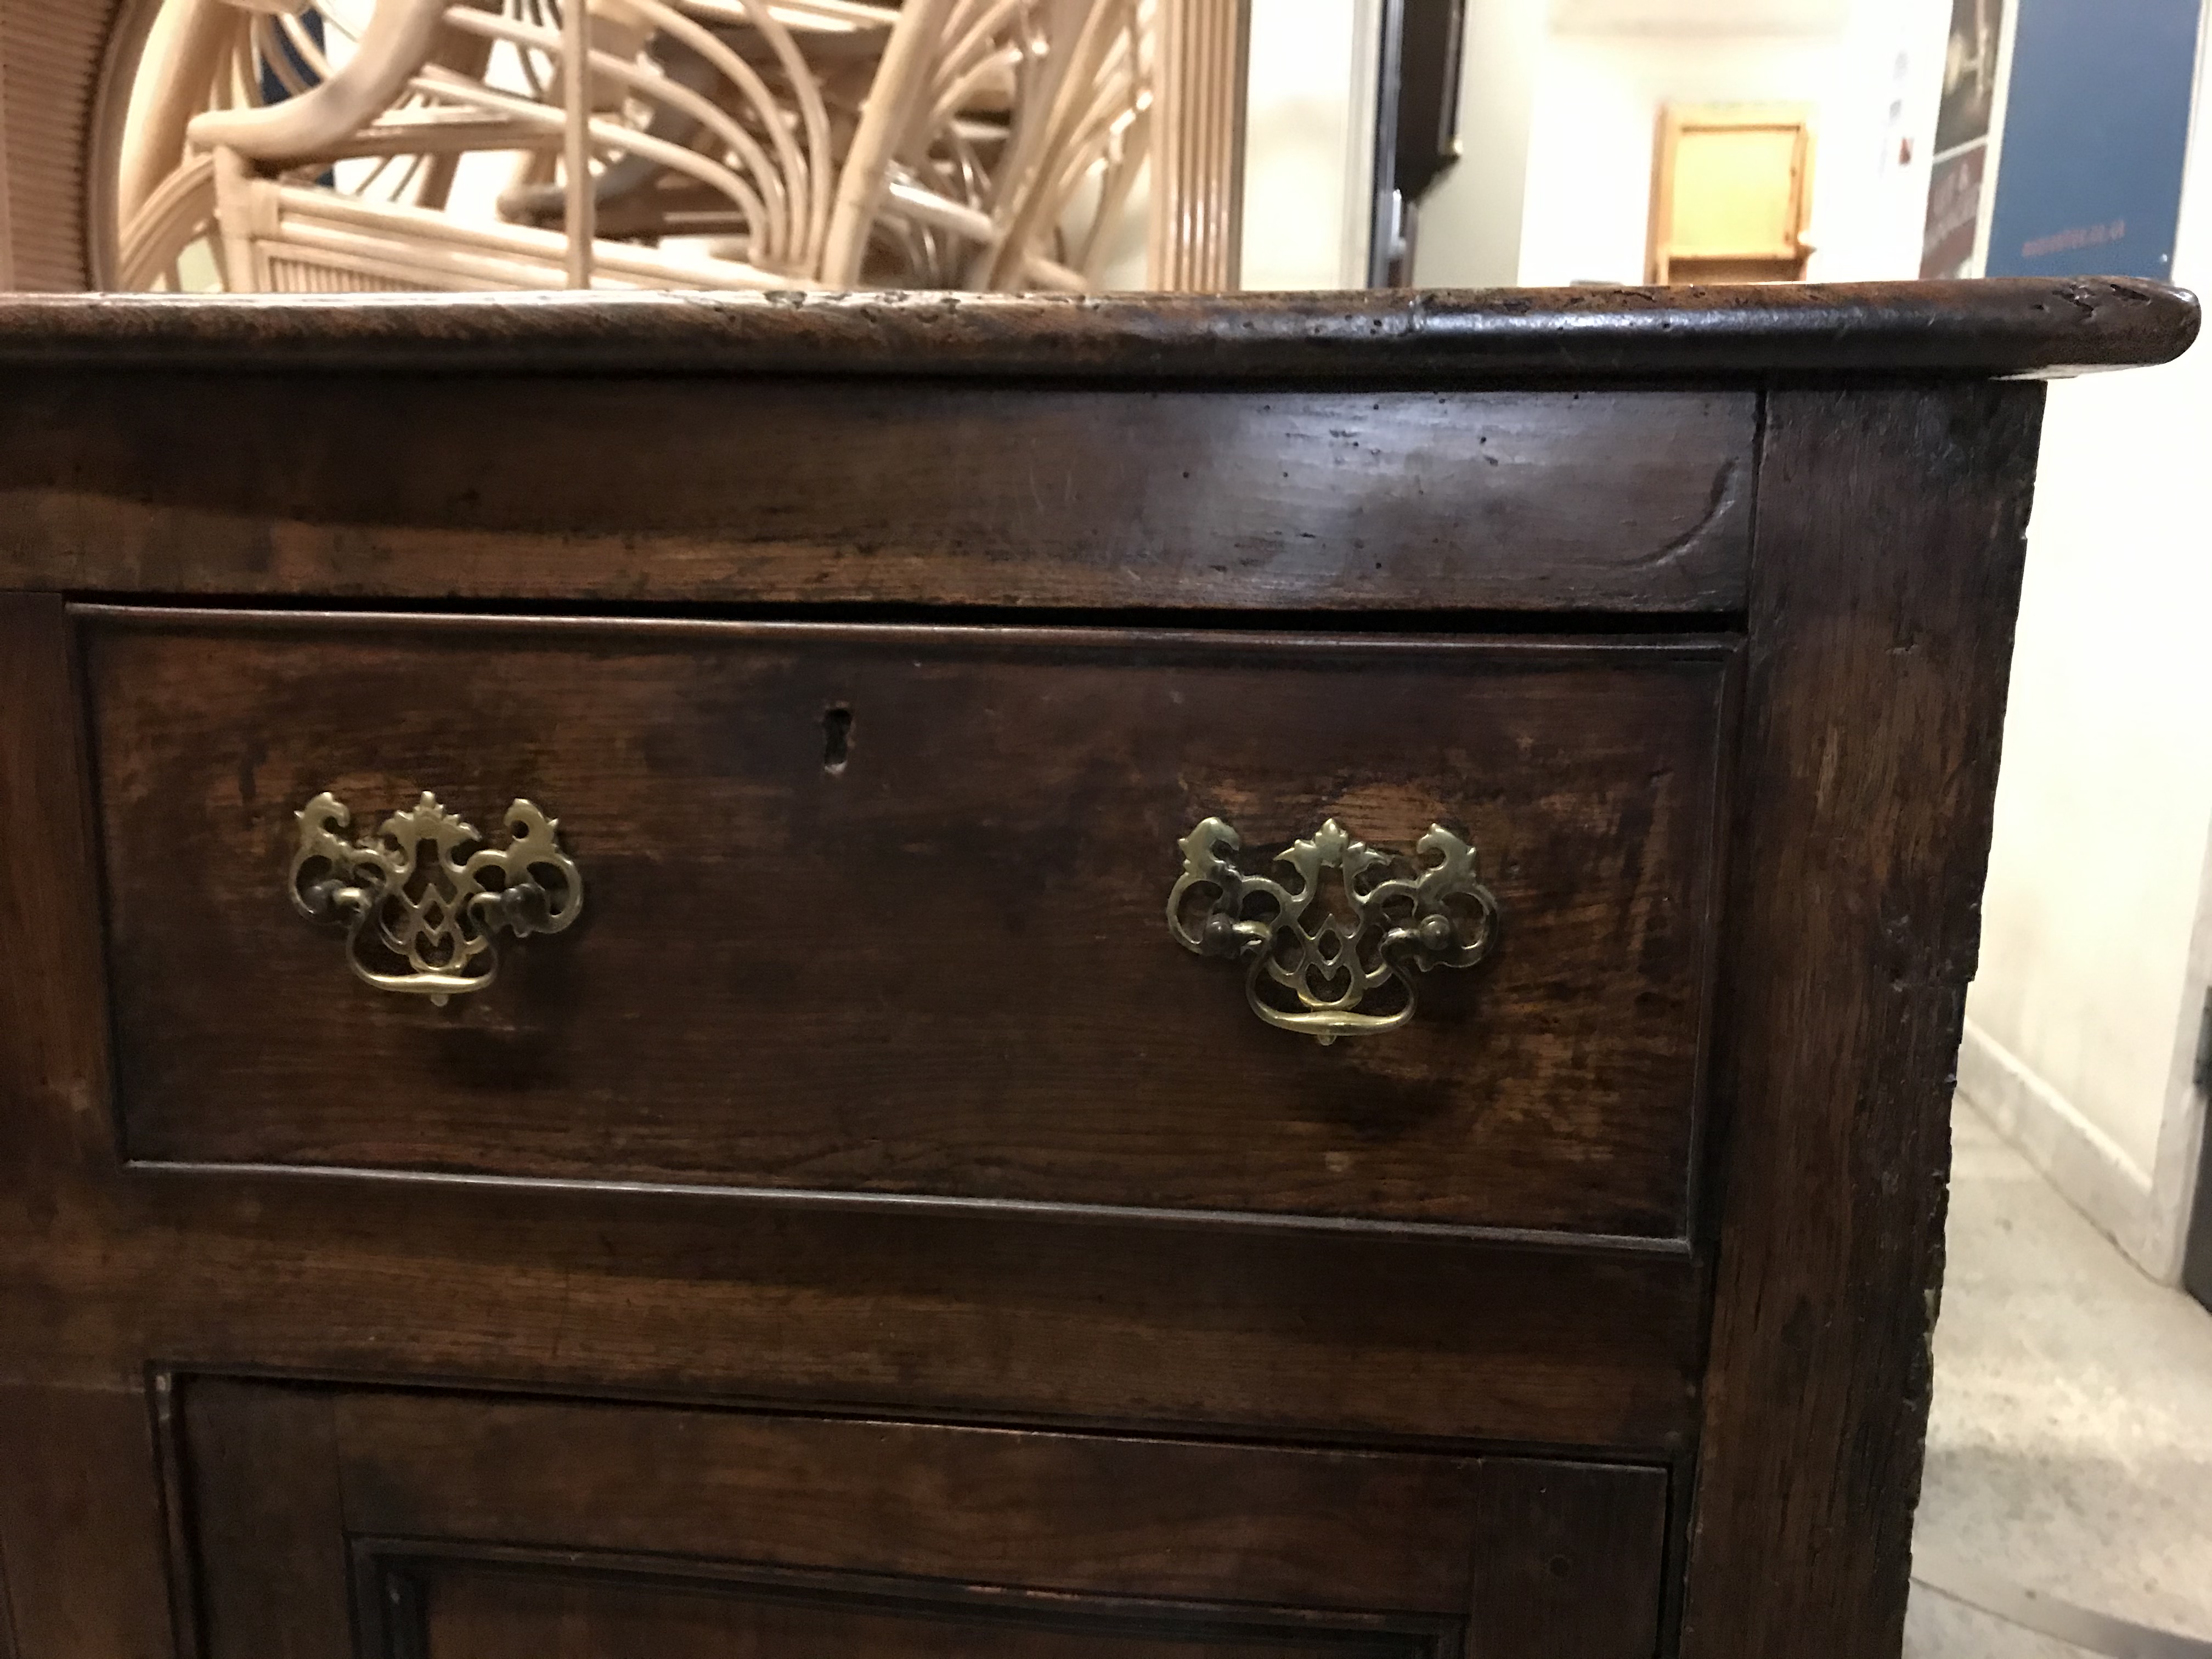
82 1533
1891 537
83 1524
8 1648
57 1129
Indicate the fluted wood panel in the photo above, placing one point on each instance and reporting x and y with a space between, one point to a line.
50 61
1198 155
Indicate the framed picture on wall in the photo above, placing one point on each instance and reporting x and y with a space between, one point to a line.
1954 211
1969 73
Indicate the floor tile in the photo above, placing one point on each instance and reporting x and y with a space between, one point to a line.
2070 1438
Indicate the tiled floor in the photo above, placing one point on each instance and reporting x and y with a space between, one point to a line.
2070 1442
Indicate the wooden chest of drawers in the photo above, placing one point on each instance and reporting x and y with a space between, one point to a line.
1063 979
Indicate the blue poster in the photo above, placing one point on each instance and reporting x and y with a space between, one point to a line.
2096 122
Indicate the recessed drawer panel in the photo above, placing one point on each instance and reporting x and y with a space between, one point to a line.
883 913
337 1523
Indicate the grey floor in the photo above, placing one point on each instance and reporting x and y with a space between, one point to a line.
2069 1448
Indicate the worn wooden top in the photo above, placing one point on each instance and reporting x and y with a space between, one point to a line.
1958 329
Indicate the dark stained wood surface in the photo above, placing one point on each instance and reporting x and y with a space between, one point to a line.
938 968
995 1317
271 1577
55 1098
1891 527
1001 1317
81 1520
1974 329
1078 1514
2196 1266
1555 1538
791 491
1570 1373
482 1525
468 1611
82 1532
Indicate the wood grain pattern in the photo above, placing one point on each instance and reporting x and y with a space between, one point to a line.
787 975
1000 1317
477 1525
1085 1515
7 1647
1568 1558
1892 530
268 1521
82 1524
55 1103
509 1614
1406 1397
996 1317
796 491
1934 330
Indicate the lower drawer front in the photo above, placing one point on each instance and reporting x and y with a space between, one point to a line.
446 1527
884 911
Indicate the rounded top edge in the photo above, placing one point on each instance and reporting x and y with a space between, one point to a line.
1992 328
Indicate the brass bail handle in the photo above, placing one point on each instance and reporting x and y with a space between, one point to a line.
421 911
1310 970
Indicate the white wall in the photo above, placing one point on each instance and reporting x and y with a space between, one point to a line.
1871 73
1558 106
1596 110
1469 229
1309 142
1876 139
2097 940
1712 16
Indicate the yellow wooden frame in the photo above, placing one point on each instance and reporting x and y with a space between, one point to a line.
1667 259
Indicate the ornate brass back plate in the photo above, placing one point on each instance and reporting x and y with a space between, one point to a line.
1310 969
426 925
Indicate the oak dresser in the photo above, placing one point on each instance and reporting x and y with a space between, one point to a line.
1042 979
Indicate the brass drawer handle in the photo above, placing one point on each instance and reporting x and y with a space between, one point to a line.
425 926
1310 969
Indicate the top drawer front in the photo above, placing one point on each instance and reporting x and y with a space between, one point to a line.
766 491
924 953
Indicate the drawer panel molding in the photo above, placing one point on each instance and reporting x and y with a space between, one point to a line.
922 962
337 1522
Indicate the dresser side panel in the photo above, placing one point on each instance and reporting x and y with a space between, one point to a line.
1891 536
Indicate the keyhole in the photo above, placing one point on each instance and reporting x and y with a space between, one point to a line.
836 737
